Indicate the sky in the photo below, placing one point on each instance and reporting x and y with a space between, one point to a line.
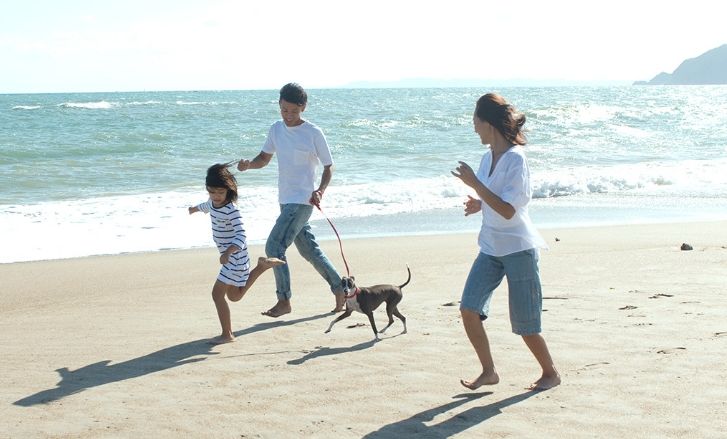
133 45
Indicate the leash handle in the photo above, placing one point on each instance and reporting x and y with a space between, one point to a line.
340 244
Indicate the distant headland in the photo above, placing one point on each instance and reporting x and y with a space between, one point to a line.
708 68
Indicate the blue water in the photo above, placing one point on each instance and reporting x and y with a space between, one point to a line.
105 173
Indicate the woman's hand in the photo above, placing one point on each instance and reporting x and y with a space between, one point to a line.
472 205
465 173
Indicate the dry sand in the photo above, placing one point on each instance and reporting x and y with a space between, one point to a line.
114 346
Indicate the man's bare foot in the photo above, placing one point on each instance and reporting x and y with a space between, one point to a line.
269 262
482 380
280 308
221 339
546 382
340 302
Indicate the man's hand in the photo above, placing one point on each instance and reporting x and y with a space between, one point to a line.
243 165
316 198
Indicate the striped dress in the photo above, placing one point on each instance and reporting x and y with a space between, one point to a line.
227 229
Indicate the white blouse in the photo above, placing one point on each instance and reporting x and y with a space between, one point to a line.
510 180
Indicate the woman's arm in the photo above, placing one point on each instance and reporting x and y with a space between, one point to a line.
465 173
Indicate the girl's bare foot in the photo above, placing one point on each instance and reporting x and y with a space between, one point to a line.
546 382
221 339
269 262
482 380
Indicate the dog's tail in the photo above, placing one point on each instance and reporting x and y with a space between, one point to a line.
407 279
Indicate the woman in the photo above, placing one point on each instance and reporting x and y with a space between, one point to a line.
508 241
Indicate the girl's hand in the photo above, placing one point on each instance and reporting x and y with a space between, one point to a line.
225 257
465 173
472 205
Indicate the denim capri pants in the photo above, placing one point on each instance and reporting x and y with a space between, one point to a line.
524 292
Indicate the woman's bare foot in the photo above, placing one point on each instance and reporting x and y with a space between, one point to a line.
221 339
280 308
482 380
269 262
340 302
546 382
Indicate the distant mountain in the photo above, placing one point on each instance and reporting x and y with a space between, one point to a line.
708 68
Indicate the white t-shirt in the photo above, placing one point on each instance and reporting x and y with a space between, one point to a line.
299 149
510 180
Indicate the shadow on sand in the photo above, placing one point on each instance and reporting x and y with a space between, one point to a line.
102 372
323 351
415 426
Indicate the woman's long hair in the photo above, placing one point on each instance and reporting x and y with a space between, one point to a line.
493 109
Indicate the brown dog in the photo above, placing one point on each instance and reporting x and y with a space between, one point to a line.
367 299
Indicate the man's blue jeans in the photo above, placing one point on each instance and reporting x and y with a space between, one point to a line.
292 227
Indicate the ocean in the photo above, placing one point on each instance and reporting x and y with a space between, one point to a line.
108 173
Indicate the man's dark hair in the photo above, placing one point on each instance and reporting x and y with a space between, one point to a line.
294 94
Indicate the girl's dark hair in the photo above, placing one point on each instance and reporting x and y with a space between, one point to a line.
219 176
493 109
294 94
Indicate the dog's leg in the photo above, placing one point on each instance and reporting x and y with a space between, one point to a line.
341 317
389 309
401 317
392 309
373 324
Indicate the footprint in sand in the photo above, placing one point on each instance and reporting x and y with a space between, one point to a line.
600 363
627 307
720 334
592 365
671 350
657 295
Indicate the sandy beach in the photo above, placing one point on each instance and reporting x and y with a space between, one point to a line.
115 346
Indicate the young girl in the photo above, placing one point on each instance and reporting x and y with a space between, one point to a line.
508 240
235 277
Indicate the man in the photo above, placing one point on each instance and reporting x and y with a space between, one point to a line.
300 146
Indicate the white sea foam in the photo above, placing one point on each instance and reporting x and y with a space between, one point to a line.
137 103
98 105
153 221
688 178
206 103
26 107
